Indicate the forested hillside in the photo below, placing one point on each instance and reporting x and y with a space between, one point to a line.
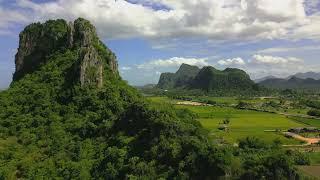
182 78
307 75
69 115
292 83
209 80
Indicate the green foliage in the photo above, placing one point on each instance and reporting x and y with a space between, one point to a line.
314 112
313 104
226 120
262 161
243 105
191 80
166 81
46 38
252 143
104 52
182 78
51 127
298 84
64 131
211 79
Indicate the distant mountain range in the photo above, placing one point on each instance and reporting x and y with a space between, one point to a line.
307 81
307 75
3 88
292 83
147 86
208 79
264 78
183 77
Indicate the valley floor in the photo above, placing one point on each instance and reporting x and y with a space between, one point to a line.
244 123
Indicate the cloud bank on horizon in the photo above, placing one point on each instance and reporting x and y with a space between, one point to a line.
210 24
212 19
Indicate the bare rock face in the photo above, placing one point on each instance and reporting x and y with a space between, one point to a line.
92 61
84 33
26 47
91 69
38 41
70 34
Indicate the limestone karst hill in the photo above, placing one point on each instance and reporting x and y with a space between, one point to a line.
69 115
39 41
207 79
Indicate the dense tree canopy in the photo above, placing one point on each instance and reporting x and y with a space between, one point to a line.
52 126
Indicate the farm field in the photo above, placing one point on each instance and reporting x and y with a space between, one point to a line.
315 158
306 121
243 123
313 172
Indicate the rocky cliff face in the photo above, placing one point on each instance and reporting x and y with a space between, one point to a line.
39 41
166 81
208 79
230 79
91 69
179 79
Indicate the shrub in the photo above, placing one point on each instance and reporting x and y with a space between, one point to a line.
314 112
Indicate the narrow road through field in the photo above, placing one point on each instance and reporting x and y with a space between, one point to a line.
299 115
192 103
308 141
301 138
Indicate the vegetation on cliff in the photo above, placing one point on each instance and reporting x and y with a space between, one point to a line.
295 83
211 79
192 80
57 121
68 115
182 78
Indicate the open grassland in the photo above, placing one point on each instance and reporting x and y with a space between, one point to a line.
243 123
235 100
314 157
6 142
257 102
312 172
162 100
307 121
224 100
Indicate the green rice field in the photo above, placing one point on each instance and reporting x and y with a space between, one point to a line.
243 123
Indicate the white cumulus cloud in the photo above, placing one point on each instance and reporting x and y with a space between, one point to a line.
212 19
125 68
274 60
289 49
173 62
232 62
8 18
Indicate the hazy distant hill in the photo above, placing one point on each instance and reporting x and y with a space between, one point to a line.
69 115
264 78
210 79
181 78
207 79
312 75
292 83
147 86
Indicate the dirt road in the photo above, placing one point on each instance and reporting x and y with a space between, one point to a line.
301 138
191 103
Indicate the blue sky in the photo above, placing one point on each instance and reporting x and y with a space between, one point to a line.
263 37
